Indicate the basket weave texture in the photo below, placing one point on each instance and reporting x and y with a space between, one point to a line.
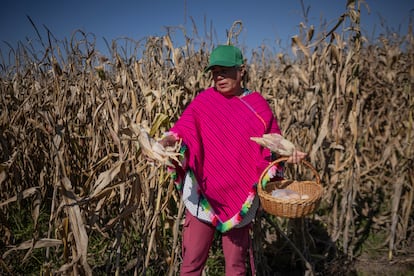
290 208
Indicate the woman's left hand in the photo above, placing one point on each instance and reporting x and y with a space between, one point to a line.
296 157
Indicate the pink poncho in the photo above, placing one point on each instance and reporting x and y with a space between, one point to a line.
226 164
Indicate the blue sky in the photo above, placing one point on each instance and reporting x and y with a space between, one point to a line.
266 22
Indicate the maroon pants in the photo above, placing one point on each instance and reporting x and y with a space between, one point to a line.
197 239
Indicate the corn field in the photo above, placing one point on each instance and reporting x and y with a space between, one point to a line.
79 198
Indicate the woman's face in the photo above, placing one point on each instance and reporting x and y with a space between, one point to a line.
227 80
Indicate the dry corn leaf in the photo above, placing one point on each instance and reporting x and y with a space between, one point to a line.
31 244
25 194
105 178
296 41
77 224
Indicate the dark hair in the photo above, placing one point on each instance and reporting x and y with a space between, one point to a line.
245 75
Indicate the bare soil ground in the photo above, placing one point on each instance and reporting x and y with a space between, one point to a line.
403 266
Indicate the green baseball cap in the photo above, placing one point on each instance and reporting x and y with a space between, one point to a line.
225 55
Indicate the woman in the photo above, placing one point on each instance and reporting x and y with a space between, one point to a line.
222 164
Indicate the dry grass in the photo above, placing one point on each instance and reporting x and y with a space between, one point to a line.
72 175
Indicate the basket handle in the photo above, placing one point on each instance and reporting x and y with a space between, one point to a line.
281 159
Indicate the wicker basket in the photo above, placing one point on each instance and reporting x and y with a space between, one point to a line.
290 208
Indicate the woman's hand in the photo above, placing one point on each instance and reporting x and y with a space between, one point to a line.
168 141
296 157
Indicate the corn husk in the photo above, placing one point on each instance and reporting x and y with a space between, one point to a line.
276 143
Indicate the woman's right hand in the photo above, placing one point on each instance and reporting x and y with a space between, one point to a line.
296 157
168 141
